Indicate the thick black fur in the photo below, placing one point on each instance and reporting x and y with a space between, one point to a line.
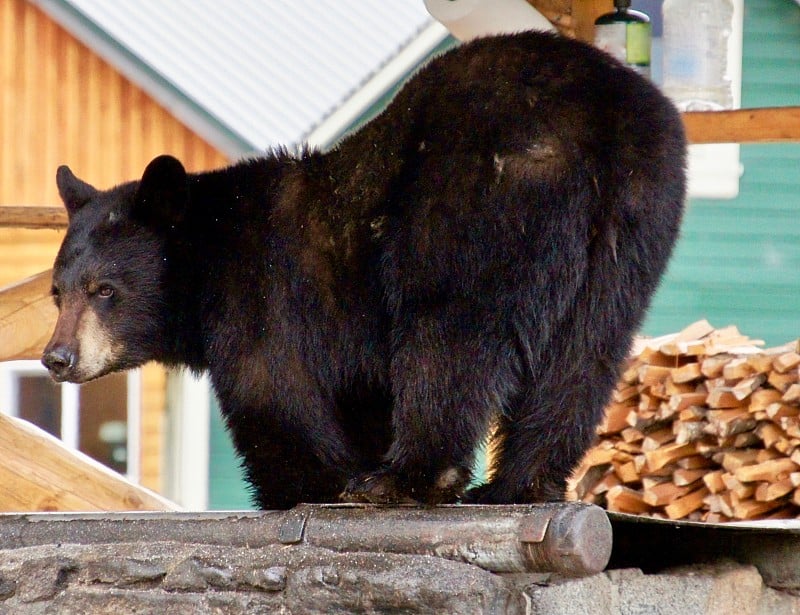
479 254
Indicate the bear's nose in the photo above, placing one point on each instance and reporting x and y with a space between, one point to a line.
59 361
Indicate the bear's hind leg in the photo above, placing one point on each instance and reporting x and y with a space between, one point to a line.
449 377
543 437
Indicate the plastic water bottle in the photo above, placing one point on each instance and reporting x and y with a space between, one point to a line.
695 44
626 35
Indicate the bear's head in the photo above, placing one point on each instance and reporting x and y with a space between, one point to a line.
109 276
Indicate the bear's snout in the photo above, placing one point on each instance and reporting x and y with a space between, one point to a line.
59 360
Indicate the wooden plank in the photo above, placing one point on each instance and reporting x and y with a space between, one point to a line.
650 375
39 473
614 420
671 452
761 399
654 440
767 491
786 361
768 470
558 12
750 509
27 318
682 401
626 472
33 217
686 373
713 481
744 388
686 504
584 14
624 499
737 369
763 125
723 397
663 494
682 477
574 18
694 331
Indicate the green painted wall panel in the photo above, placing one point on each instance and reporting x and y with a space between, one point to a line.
738 261
227 489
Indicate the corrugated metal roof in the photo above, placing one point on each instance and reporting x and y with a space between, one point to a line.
266 71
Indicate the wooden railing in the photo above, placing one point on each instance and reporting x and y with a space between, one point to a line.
768 125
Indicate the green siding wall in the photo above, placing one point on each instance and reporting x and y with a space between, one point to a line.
226 487
738 261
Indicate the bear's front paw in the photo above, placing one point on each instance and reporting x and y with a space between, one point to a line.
378 487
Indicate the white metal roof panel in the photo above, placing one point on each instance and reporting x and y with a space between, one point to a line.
268 71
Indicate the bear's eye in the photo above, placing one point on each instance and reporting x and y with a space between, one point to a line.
105 291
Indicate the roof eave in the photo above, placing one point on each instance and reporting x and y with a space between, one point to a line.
333 127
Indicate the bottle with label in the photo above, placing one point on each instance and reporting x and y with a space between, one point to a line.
696 41
626 35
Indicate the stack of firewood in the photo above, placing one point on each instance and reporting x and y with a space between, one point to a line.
703 425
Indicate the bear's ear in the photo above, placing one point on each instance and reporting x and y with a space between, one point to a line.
163 194
74 192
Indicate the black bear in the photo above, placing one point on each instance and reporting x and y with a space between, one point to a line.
478 256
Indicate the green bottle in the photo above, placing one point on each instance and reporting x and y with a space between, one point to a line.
626 35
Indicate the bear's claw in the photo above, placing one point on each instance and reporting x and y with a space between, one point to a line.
375 488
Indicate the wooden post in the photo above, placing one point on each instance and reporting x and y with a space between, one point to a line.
27 317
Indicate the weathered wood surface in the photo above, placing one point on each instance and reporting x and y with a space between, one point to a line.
27 317
569 538
767 125
574 19
33 217
39 473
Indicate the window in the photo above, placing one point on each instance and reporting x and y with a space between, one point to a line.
99 418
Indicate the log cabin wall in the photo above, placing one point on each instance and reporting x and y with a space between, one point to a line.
60 103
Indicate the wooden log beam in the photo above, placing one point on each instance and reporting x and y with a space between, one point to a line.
568 538
39 473
27 317
766 125
33 217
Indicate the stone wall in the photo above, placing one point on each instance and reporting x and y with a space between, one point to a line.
180 578
188 563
